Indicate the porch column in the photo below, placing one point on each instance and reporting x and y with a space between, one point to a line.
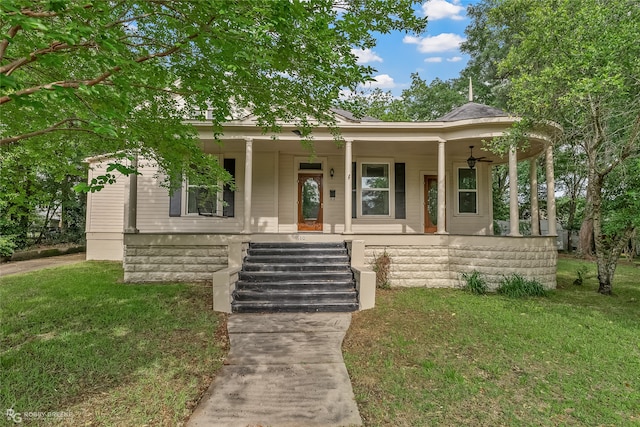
348 185
132 208
442 200
551 191
248 184
514 220
533 180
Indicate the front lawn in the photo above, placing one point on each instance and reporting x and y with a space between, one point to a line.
77 342
446 357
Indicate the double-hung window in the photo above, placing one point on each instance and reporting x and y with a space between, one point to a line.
203 200
202 197
467 191
375 189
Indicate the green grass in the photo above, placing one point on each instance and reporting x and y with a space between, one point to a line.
446 357
76 339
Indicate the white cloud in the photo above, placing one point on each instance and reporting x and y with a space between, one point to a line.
433 44
383 81
433 59
454 59
442 9
366 55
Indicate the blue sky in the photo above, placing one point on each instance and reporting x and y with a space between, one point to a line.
432 54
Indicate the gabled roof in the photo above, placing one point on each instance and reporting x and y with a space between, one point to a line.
472 110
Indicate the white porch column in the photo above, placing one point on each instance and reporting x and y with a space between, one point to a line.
533 181
514 220
248 184
442 200
132 208
551 191
348 186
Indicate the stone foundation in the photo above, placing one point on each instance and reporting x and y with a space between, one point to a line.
173 258
492 256
433 261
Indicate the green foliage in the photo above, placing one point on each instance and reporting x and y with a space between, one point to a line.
584 273
516 286
474 283
36 185
126 75
381 264
377 104
7 246
576 63
430 101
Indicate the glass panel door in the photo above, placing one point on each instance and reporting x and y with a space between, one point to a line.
430 204
310 202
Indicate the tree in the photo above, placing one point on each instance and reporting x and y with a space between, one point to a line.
576 62
33 192
375 103
429 101
125 75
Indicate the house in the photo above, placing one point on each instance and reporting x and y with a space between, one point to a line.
418 191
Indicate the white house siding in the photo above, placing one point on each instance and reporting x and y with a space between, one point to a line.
153 208
439 261
105 216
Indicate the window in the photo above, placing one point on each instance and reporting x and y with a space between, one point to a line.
202 200
375 190
198 199
467 191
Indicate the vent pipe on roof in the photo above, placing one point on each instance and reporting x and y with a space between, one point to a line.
470 90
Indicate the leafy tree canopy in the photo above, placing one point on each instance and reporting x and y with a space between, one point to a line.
125 74
577 62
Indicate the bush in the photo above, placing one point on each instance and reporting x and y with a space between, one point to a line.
516 286
7 246
382 266
474 283
583 274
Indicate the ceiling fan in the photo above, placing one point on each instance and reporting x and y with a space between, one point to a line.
471 161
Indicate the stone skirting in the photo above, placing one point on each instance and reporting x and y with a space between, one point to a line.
442 265
416 260
174 257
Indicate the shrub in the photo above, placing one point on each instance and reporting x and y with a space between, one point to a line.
382 266
583 274
474 283
7 246
516 286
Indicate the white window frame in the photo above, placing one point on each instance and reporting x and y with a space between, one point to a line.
466 190
390 167
219 196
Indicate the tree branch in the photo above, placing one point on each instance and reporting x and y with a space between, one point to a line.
101 78
33 56
34 14
5 42
53 128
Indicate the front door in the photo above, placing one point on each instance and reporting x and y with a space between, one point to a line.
430 204
309 202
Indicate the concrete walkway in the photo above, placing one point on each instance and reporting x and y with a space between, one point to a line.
282 370
16 267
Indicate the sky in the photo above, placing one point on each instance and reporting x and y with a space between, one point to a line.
433 54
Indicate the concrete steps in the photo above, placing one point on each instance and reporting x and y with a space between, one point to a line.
295 277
